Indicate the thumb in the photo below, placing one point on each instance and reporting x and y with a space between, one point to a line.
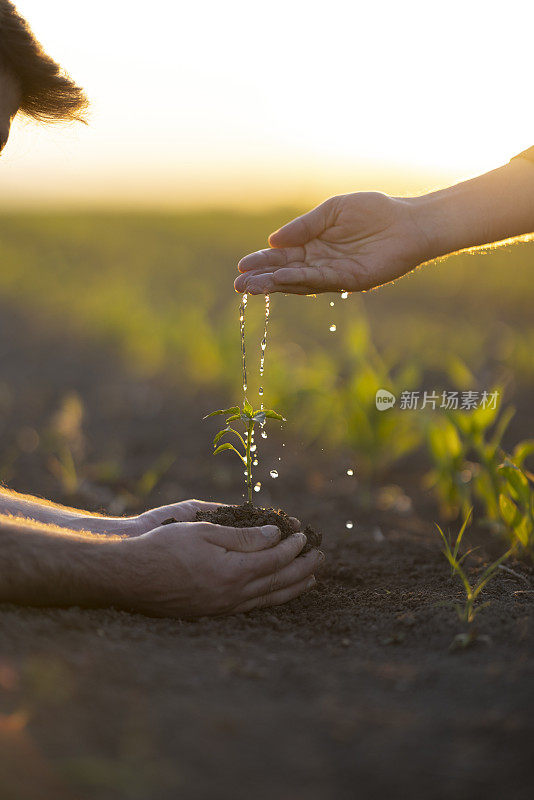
303 229
243 540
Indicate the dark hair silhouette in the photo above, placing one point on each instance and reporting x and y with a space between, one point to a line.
47 93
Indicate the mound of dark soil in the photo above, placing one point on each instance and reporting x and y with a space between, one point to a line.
248 515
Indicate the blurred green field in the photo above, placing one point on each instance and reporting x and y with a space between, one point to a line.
158 288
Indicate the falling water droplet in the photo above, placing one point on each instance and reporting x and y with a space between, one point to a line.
331 302
274 473
252 448
344 295
255 462
333 328
242 309
350 473
257 487
264 342
349 524
263 435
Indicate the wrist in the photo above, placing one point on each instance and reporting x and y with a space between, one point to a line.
444 219
131 560
98 572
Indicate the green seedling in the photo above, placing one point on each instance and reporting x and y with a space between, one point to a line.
248 418
468 611
516 502
454 549
471 466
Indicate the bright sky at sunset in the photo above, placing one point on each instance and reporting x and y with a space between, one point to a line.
212 102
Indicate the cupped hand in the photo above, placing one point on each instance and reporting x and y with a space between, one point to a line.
351 242
185 511
195 569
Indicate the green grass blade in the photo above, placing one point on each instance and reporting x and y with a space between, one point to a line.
462 531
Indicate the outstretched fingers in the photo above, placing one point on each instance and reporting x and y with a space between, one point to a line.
302 279
271 258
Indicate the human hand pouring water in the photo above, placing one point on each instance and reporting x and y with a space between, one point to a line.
359 241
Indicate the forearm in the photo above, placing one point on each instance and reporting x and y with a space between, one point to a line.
46 566
18 505
495 206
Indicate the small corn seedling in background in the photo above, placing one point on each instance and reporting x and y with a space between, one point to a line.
516 504
247 417
470 466
468 611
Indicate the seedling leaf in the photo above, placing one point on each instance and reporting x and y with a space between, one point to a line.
219 436
522 451
231 410
274 415
228 446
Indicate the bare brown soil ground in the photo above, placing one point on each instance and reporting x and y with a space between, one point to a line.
349 692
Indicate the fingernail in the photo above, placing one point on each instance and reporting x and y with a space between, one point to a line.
270 531
300 537
311 582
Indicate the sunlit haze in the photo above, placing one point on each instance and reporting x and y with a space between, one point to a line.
255 103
